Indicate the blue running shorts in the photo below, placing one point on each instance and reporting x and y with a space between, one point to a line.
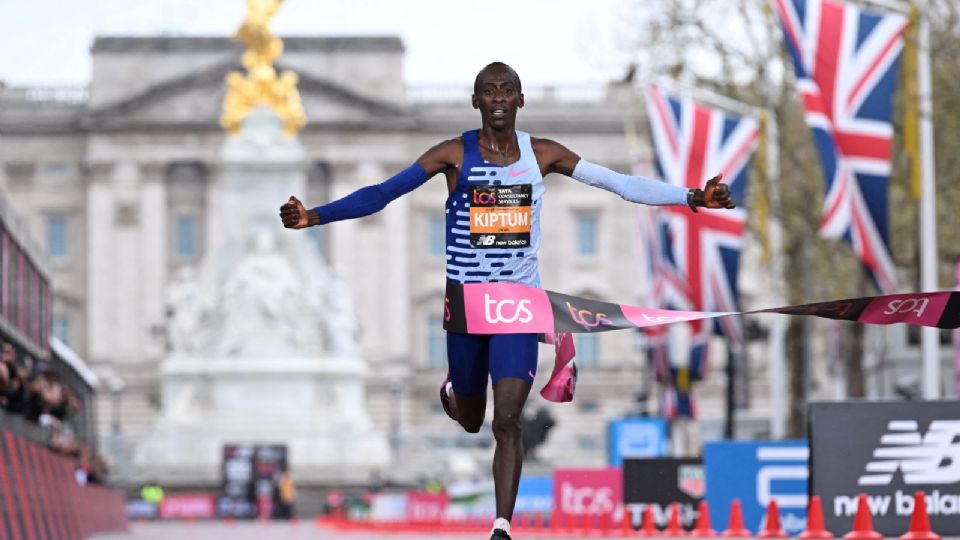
472 357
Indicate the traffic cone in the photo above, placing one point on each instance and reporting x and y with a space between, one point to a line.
703 529
772 528
920 521
862 523
815 528
626 524
674 527
735 528
648 527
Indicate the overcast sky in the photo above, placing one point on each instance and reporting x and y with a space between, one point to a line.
46 42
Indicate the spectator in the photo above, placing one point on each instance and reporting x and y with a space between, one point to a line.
7 372
12 385
286 495
34 391
152 493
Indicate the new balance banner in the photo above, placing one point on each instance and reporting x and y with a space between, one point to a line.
888 450
755 473
511 308
660 482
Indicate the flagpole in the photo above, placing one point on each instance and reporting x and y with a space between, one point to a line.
778 326
929 337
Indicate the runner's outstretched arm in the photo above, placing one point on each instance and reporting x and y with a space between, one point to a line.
636 189
371 199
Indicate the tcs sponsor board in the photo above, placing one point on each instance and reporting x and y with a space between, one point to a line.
188 506
757 472
888 450
426 507
592 492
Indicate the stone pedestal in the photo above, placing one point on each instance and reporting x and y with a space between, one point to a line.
262 335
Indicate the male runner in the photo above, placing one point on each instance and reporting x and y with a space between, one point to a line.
498 170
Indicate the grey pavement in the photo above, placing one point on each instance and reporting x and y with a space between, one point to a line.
284 531
301 531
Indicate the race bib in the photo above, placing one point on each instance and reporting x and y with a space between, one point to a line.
500 216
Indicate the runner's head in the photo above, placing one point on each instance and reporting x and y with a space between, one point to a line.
497 93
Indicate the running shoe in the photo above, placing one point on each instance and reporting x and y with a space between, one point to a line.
446 389
499 534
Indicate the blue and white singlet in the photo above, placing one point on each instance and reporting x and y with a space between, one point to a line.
493 217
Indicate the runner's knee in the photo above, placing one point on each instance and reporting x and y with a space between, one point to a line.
471 412
471 425
506 424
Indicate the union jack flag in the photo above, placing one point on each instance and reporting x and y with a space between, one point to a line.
846 63
694 258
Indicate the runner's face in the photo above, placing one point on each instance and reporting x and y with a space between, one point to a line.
498 98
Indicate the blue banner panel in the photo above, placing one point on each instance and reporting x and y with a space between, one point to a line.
757 472
633 438
535 495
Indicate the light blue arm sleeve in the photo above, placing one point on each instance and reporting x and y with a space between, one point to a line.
632 188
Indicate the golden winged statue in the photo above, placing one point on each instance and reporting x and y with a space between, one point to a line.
261 85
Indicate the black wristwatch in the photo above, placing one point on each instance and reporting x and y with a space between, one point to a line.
692 199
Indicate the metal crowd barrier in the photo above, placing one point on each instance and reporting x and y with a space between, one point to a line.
40 498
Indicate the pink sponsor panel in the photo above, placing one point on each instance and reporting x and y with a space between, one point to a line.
916 308
594 492
426 507
644 317
506 308
188 506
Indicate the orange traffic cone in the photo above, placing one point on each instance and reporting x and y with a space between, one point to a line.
772 527
815 528
648 526
920 521
735 528
703 529
674 527
862 523
626 524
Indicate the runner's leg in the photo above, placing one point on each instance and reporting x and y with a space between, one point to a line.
468 369
513 364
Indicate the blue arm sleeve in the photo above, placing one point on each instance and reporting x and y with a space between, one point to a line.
632 188
371 199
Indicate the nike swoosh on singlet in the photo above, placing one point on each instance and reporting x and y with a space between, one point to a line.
519 173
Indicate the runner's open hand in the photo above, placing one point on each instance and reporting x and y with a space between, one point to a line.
717 195
293 214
